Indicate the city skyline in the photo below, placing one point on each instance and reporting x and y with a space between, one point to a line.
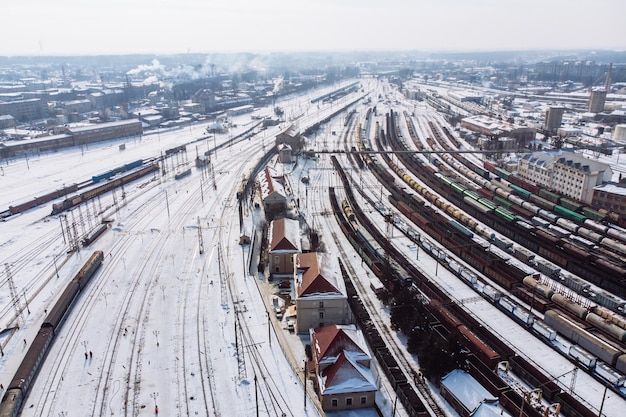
71 27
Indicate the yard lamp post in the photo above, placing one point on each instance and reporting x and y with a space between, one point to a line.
156 335
154 396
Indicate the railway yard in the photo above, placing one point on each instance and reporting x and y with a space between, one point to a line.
127 287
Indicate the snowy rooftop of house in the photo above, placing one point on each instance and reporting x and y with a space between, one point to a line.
466 389
346 375
612 188
317 276
328 342
269 184
290 130
285 236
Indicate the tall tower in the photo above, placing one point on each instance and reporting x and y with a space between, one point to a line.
554 117
597 98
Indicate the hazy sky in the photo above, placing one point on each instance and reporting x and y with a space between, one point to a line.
77 27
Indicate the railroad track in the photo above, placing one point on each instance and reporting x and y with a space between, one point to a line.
70 342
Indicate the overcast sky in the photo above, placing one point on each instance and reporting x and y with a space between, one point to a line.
78 27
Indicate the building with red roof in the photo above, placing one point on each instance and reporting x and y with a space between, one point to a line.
273 192
343 377
320 292
284 238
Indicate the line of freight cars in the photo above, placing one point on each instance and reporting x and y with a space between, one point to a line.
37 201
547 267
480 208
406 394
18 389
601 369
101 189
569 403
563 228
464 335
604 274
487 355
530 199
115 171
545 299
522 315
536 240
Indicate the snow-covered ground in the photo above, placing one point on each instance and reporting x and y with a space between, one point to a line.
163 323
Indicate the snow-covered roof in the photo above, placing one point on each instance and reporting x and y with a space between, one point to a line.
328 342
571 159
611 188
346 375
269 184
285 236
490 410
317 275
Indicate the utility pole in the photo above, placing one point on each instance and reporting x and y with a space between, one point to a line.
15 301
200 242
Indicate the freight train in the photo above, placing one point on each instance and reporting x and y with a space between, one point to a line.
37 201
101 189
18 389
115 171
508 224
393 281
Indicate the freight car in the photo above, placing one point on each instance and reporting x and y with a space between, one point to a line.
101 189
586 340
176 149
18 389
123 168
37 201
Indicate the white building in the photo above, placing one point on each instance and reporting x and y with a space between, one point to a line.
320 292
567 173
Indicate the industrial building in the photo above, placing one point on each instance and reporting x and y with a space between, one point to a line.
554 117
489 126
597 99
568 173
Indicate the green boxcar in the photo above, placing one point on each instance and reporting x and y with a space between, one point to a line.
569 213
461 228
569 204
472 194
458 188
593 214
548 195
481 172
505 214
501 201
502 173
525 194
487 203
445 179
